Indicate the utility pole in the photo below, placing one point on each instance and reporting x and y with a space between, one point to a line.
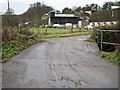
8 13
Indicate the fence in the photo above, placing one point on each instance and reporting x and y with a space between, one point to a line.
55 30
101 31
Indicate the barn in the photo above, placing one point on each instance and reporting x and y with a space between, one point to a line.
58 18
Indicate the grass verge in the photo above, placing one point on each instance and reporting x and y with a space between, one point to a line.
111 56
90 39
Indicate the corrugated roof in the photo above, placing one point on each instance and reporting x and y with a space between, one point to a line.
65 15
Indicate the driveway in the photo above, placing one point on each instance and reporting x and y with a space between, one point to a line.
67 62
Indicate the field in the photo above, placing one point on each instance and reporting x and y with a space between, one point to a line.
54 30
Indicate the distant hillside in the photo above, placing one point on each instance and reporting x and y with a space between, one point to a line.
35 12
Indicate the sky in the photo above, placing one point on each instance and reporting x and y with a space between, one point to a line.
20 6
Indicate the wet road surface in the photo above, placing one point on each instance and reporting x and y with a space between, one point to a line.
67 62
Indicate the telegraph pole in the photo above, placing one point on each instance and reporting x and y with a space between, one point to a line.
8 13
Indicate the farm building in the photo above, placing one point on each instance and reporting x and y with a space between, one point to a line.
58 18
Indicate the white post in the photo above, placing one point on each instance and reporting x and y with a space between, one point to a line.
49 21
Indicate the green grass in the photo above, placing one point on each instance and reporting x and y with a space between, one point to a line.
64 35
90 39
111 56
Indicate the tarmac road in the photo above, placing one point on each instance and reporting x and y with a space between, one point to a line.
67 62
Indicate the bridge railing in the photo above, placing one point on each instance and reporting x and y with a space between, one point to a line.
101 40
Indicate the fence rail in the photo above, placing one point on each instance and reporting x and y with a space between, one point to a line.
101 31
56 30
108 30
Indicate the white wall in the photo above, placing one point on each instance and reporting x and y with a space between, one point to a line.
97 24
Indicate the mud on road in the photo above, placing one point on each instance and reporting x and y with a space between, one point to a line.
67 62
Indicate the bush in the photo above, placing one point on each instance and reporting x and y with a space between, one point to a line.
25 31
9 33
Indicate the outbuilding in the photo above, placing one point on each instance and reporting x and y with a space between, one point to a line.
59 18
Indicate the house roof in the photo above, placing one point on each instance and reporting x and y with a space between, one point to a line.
86 8
106 15
65 15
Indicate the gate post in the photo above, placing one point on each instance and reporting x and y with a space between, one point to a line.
97 37
101 39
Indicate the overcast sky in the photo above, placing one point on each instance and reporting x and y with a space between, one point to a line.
20 6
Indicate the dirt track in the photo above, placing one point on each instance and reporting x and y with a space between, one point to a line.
68 62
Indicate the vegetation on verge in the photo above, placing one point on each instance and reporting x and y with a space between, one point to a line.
111 56
91 38
14 47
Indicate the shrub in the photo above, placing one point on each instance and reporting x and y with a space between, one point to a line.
9 33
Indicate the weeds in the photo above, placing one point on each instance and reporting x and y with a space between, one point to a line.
111 56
